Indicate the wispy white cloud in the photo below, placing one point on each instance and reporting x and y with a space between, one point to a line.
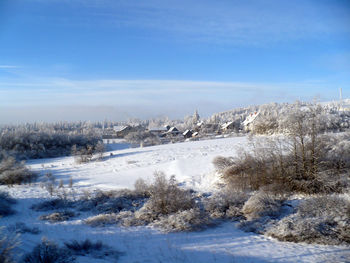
237 22
7 66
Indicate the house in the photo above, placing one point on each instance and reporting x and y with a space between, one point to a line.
122 131
159 131
231 126
187 134
200 124
248 122
173 131
228 126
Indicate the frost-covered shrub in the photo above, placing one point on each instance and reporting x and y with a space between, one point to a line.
53 204
102 220
84 154
337 149
311 164
14 172
111 201
141 187
167 197
5 204
83 247
48 252
187 220
22 228
168 207
257 226
7 245
58 216
221 163
226 204
94 249
323 220
261 204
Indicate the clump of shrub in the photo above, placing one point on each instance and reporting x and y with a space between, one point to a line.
14 172
53 204
111 201
221 163
185 220
288 166
226 204
167 206
58 216
5 204
261 204
22 228
167 197
323 220
103 219
48 252
7 245
95 249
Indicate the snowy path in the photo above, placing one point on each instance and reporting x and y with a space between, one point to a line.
191 163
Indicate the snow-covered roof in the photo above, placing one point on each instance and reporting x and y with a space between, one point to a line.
226 125
250 118
158 129
173 129
200 123
120 128
187 132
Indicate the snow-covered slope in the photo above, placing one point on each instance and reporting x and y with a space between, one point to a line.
191 163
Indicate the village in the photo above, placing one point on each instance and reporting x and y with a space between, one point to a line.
168 133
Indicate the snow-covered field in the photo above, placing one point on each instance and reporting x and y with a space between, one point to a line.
191 163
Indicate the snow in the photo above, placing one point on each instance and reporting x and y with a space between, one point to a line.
191 162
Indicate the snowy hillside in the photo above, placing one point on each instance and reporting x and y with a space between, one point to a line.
191 163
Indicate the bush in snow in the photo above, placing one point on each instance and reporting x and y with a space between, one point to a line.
14 172
102 220
141 187
94 249
168 207
186 220
58 216
167 197
48 252
111 201
261 204
323 220
221 163
22 228
53 204
310 164
5 204
7 245
226 204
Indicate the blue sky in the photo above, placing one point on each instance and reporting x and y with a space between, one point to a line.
116 59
